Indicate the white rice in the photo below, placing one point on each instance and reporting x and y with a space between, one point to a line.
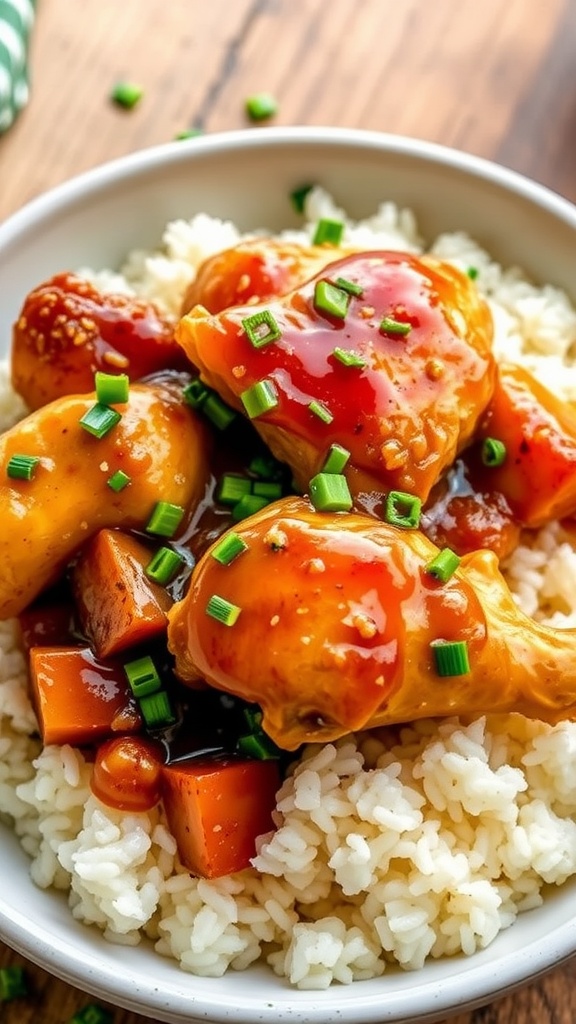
391 846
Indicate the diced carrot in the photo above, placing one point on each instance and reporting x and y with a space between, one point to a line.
538 475
216 807
118 606
78 699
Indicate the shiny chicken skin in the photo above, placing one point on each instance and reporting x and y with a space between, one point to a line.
254 271
337 617
158 443
67 329
422 335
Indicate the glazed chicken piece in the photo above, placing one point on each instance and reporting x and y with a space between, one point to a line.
158 443
330 622
484 505
254 271
398 375
67 329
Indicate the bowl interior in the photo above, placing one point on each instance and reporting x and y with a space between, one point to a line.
248 177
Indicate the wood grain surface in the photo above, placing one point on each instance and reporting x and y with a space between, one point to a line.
495 78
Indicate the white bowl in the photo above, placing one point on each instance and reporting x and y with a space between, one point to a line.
248 176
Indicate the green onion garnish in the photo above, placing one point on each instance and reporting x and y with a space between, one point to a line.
398 327
100 419
248 505
156 709
348 358
320 410
261 328
298 197
260 106
336 459
328 231
12 983
329 492
402 509
92 1014
195 393
493 452
164 565
259 746
188 133
259 399
229 548
349 286
165 519
451 657
270 489
127 94
220 414
444 565
232 487
22 467
472 273
266 466
142 676
118 481
222 610
331 300
111 388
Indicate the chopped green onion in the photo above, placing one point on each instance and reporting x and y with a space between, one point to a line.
270 489
253 718
391 326
493 452
188 133
348 358
349 286
127 94
22 467
258 746
328 231
12 983
229 548
220 414
248 505
298 197
260 106
222 610
402 509
320 410
165 519
451 657
329 492
99 420
444 565
195 393
331 300
156 710
336 459
118 481
111 388
142 676
266 466
164 565
232 487
261 328
92 1014
259 399
472 273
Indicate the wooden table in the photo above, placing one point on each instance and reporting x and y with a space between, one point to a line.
495 78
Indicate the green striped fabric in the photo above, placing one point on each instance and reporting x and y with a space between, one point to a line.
16 21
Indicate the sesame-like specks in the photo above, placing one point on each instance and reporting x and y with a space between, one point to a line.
364 624
70 331
104 467
276 539
44 311
22 323
418 447
434 369
274 620
80 338
306 640
394 454
379 681
338 657
302 611
180 479
244 282
60 319
88 324
116 359
366 312
83 525
238 372
316 565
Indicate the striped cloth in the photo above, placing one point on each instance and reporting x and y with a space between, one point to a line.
16 21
